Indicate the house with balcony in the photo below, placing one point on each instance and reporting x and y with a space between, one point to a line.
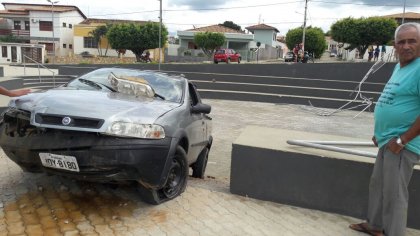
49 25
267 36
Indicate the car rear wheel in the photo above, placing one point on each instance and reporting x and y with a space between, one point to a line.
175 184
239 60
199 167
215 62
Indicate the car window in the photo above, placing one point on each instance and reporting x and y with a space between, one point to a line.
170 87
194 98
220 51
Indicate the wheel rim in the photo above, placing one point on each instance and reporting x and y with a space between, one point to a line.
175 179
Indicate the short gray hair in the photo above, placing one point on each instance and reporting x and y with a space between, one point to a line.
408 25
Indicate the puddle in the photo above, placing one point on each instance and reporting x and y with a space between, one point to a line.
49 210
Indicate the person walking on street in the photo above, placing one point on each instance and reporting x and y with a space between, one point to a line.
397 129
383 51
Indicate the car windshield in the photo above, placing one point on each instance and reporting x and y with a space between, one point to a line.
168 87
220 52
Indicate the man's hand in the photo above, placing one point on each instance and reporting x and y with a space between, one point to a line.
394 146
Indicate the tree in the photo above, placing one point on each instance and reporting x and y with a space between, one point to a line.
209 41
98 34
314 39
362 32
136 38
230 24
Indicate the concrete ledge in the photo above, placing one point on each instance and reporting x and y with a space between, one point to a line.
265 167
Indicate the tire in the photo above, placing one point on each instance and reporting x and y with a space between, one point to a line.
215 62
199 167
175 184
239 60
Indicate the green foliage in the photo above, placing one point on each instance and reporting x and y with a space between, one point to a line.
209 41
10 39
98 35
231 25
136 38
314 40
362 32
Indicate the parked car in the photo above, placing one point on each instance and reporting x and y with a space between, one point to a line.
113 125
289 57
226 55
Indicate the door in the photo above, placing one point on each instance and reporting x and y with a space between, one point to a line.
14 54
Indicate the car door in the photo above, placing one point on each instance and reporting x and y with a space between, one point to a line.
197 129
234 55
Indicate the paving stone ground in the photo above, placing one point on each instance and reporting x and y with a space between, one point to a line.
37 204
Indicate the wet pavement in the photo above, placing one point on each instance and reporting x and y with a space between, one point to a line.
38 204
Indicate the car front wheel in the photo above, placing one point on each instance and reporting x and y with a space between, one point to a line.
175 184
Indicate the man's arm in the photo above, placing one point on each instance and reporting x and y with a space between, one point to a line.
406 137
13 93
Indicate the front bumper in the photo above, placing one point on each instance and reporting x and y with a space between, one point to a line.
100 158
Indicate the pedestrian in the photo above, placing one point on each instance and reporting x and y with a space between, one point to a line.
397 129
13 93
376 53
383 51
295 51
370 53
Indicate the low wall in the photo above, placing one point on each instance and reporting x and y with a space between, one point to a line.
265 167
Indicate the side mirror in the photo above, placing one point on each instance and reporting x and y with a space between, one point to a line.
201 108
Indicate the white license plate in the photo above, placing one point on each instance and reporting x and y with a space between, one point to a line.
59 161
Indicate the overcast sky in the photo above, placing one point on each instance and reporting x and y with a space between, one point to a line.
282 14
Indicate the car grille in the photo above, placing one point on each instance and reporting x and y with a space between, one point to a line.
82 122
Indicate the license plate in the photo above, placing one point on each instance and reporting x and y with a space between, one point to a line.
59 161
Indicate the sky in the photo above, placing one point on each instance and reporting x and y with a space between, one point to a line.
282 14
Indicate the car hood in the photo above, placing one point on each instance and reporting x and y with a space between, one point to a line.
106 106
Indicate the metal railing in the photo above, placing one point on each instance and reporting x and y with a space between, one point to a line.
39 68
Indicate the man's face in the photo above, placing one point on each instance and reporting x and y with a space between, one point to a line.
407 45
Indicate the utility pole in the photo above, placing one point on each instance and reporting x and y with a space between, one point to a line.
52 25
403 16
304 27
160 32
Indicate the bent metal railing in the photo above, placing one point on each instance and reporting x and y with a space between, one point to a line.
326 145
39 68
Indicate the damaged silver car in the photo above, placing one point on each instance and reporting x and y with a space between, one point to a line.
113 125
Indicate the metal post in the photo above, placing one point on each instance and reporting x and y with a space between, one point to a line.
403 16
304 28
52 23
160 32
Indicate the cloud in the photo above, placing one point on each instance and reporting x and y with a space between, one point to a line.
198 4
390 4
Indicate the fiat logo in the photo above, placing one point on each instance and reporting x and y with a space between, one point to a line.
66 120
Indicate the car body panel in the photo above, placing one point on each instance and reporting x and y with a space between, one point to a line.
35 123
226 54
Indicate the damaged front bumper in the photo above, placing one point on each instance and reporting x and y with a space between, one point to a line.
99 158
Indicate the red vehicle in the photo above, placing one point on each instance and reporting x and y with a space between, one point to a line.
226 55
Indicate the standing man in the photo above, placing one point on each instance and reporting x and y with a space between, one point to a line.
397 129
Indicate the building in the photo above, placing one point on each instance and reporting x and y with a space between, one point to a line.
49 25
22 52
264 34
235 39
84 42
408 17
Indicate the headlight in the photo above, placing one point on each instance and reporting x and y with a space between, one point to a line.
126 129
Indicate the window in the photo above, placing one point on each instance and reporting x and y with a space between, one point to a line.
64 24
70 46
4 51
64 45
70 26
48 47
16 25
27 25
45 26
89 42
